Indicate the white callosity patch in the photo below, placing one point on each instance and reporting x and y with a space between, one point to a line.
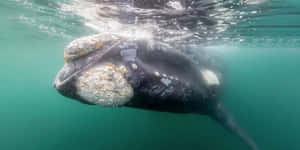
105 85
210 77
82 46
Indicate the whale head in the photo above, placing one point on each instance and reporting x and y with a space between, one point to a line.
91 79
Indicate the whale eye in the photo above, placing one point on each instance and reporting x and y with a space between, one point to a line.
105 85
81 47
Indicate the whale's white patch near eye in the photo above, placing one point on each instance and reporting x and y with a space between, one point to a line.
210 77
105 85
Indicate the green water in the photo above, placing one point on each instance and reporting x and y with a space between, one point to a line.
262 91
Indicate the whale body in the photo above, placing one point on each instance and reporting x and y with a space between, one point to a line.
113 71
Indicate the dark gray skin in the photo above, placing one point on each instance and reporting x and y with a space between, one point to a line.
188 94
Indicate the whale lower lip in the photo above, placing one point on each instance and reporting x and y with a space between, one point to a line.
64 82
63 75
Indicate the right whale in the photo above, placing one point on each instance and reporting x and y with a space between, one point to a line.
114 71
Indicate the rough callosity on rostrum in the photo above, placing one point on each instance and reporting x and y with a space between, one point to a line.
84 46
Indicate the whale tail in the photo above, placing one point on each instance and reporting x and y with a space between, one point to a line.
225 118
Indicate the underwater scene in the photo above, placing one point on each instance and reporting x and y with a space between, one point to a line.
150 74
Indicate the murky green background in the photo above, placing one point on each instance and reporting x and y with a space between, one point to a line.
262 91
